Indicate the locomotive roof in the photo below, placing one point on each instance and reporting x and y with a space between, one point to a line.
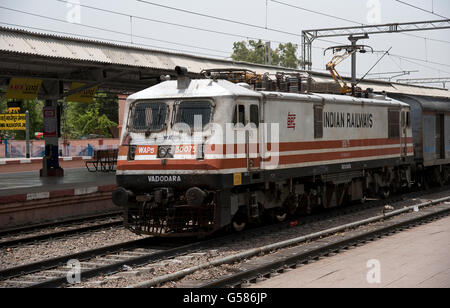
196 88
214 88
333 98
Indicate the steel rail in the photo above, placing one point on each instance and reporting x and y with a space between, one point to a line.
59 234
60 223
118 266
146 259
303 258
280 245
39 266
55 262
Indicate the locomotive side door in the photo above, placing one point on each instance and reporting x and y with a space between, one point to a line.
253 142
246 119
404 124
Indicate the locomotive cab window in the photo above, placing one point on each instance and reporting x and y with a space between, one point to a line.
254 115
239 115
188 112
318 122
393 124
149 116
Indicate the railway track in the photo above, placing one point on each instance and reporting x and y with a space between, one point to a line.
294 258
142 254
283 256
270 230
53 272
55 230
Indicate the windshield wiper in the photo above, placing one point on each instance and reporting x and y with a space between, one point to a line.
149 129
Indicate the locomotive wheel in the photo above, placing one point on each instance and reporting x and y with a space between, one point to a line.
280 214
385 192
440 181
239 221
239 227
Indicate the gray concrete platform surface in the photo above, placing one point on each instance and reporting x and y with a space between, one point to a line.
31 182
415 258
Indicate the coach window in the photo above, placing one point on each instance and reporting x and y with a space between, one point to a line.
239 115
318 122
254 115
393 124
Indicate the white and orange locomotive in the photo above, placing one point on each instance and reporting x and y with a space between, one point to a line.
202 155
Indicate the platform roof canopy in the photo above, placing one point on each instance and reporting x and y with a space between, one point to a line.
124 69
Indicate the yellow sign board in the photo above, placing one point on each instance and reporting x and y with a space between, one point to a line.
237 179
14 110
85 96
13 121
23 88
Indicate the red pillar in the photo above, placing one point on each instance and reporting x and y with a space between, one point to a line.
122 101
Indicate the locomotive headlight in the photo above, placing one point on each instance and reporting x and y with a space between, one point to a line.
163 151
132 152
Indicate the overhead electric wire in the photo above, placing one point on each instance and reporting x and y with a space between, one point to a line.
114 31
169 23
348 20
398 65
416 63
180 25
223 19
410 59
146 45
315 12
234 21
421 9
376 63
185 26
217 18
416 59
134 44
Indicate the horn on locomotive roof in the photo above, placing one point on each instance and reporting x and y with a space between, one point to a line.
182 77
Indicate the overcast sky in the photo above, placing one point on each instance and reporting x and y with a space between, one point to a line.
428 47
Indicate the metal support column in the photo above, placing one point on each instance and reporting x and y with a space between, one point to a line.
307 41
354 39
27 134
308 36
52 126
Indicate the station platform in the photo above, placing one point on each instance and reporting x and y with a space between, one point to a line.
12 165
415 258
31 182
26 198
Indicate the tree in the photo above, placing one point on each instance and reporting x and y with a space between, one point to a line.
287 55
78 119
82 119
254 52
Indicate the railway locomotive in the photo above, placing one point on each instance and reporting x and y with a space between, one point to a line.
201 155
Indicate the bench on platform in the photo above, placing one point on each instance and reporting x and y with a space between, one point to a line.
103 160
